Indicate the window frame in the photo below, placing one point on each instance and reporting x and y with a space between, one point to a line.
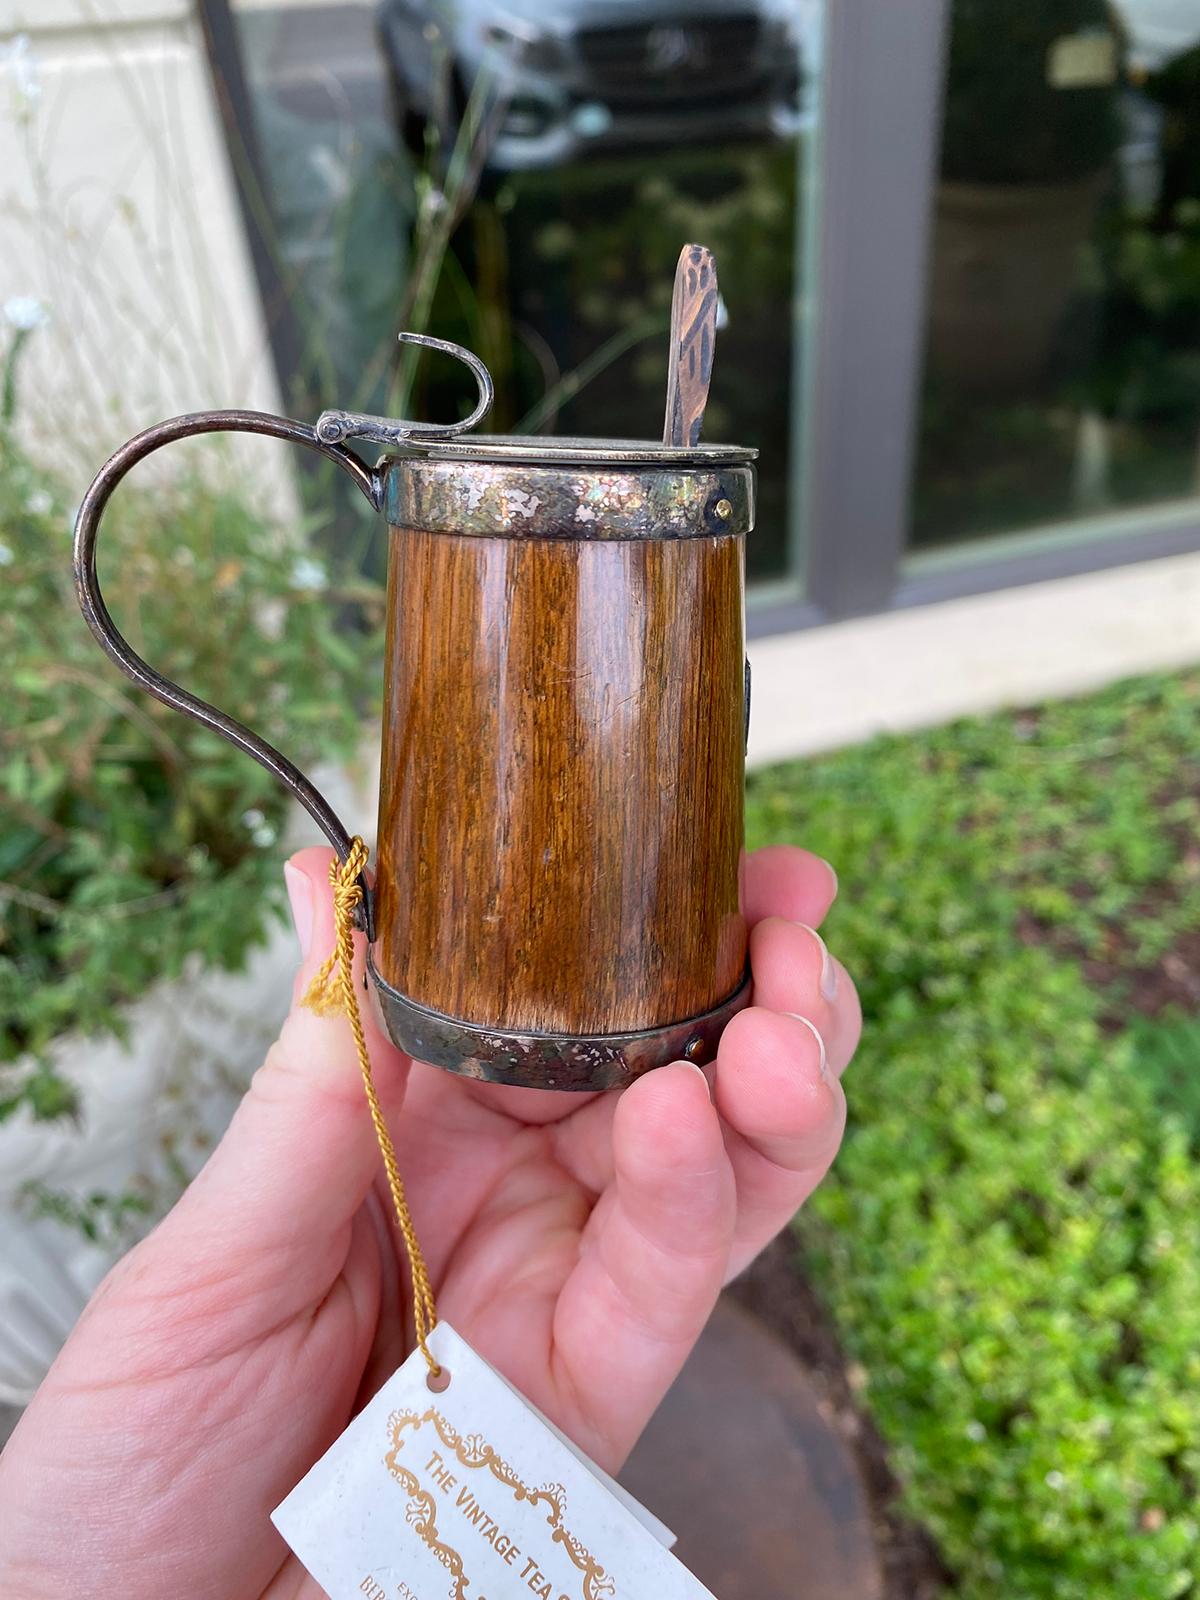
853 473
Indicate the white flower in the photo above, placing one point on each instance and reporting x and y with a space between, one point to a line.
6 556
40 503
309 574
19 62
435 202
261 831
25 312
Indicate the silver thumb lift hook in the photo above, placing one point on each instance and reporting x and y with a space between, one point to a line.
333 427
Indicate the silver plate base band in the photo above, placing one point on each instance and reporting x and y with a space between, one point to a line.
563 1061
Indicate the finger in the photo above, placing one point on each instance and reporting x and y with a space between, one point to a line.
390 1344
784 1112
651 1261
783 881
276 1197
779 881
583 1143
795 973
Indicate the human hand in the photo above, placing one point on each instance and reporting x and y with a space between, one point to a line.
578 1243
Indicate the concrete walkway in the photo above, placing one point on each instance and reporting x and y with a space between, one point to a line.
760 1489
834 686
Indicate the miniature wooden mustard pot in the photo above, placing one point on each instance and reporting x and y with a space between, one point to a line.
556 896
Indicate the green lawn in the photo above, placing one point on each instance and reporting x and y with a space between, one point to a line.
1010 1243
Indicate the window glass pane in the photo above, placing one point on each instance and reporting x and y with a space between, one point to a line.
520 177
1062 352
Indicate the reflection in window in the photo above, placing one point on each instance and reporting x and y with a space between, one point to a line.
520 177
1062 370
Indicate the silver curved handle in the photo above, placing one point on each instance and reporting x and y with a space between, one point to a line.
119 650
326 438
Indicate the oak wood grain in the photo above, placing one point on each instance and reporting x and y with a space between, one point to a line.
561 814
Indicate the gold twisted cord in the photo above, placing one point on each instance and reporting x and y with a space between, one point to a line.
330 991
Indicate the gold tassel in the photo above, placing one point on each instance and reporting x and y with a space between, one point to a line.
332 990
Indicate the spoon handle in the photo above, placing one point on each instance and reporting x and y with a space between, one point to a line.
693 337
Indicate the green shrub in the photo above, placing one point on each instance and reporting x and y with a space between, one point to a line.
131 838
1166 1053
1010 1241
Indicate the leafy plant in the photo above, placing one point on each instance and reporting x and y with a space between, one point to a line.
1010 1239
1166 1053
1145 367
130 838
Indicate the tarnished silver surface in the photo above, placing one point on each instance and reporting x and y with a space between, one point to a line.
522 499
546 1060
514 447
335 427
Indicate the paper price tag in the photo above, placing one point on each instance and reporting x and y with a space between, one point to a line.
470 1494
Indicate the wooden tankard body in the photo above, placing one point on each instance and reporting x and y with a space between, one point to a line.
560 822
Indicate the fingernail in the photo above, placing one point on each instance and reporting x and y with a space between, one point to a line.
834 876
827 983
823 1064
300 897
700 1073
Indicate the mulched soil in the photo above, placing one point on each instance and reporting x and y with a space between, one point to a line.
777 1291
1170 982
1173 981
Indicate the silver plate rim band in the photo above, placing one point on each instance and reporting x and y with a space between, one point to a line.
502 500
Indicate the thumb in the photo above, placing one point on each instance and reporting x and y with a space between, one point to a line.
300 1154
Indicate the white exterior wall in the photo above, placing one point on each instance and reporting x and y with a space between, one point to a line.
118 211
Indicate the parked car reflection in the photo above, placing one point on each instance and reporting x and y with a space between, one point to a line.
584 75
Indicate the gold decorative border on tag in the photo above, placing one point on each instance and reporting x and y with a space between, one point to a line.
421 1513
474 1451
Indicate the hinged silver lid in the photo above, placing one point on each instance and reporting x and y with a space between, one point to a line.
447 441
514 449
507 486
